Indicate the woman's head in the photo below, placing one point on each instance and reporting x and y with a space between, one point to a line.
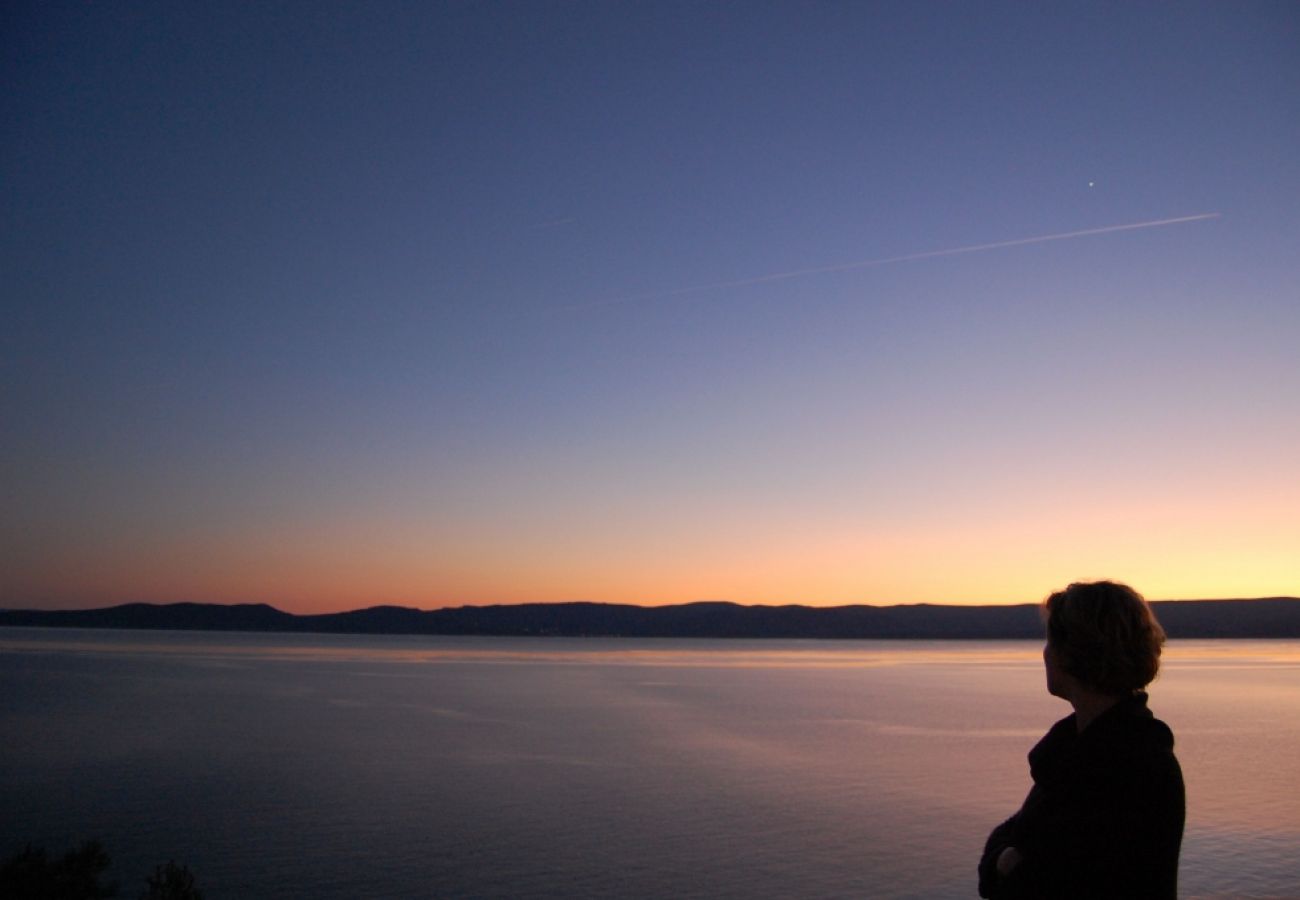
1104 635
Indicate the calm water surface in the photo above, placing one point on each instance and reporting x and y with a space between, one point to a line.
347 766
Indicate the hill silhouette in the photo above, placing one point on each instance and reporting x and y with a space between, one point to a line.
1272 617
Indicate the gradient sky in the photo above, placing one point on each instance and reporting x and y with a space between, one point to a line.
331 305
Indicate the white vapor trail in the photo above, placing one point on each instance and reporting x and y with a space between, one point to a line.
889 260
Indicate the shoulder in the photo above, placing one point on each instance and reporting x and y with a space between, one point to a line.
1128 736
1135 753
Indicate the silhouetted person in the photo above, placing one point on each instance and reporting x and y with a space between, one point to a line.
1104 817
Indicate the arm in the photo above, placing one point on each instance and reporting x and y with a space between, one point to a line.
1040 851
999 841
1115 834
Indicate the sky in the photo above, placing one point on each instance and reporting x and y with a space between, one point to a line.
332 305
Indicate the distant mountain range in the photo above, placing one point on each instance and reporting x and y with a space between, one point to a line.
1272 617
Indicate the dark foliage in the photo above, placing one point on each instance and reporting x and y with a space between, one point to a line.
171 882
32 875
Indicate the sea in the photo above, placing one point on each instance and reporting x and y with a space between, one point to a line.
341 766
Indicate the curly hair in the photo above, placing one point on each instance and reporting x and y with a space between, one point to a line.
1105 635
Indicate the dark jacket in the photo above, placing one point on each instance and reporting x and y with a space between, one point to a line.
1104 818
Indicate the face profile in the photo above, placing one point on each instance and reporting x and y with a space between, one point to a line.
1053 672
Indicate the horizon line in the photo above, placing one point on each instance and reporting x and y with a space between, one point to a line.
812 606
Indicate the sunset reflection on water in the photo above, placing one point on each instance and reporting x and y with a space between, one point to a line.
670 652
850 753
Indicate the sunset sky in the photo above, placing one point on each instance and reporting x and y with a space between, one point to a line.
332 305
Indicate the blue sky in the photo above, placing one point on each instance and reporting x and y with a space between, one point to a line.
329 304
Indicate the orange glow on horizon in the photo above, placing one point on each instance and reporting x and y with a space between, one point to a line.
1012 546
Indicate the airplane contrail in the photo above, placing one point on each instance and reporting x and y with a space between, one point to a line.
889 260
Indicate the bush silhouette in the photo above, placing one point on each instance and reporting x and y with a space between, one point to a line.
32 875
171 882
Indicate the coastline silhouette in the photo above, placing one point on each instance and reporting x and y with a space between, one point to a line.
1274 617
